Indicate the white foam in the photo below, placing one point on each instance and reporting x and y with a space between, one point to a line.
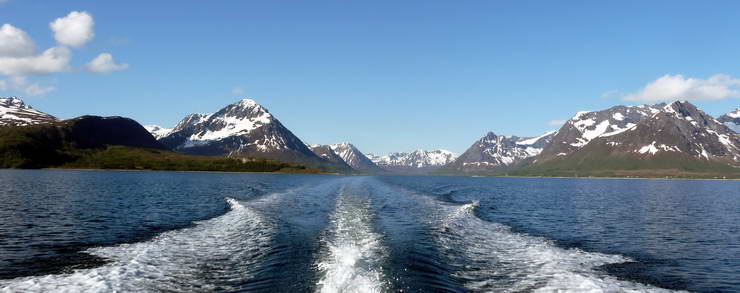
353 254
205 257
499 260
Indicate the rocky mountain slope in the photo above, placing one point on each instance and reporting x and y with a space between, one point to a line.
494 154
416 162
325 152
676 138
586 126
14 112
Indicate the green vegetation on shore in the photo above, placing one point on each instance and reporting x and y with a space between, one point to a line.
600 164
127 158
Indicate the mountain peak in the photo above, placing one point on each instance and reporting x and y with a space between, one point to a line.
247 103
734 114
490 134
354 158
13 102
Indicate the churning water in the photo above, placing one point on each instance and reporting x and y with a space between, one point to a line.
66 231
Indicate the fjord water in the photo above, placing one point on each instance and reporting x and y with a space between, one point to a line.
200 232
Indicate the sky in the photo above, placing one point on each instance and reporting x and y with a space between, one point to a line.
386 76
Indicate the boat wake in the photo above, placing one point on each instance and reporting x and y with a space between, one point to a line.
353 254
491 257
216 254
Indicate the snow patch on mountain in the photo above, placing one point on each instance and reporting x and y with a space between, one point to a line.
157 131
497 152
13 111
354 158
731 120
240 118
531 141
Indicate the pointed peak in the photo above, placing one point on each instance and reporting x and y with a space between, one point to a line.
578 115
490 134
682 106
14 102
247 102
342 144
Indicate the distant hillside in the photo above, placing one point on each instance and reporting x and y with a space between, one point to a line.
54 144
109 143
672 140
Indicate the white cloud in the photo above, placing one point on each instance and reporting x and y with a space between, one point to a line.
21 84
238 91
73 30
672 87
557 122
14 42
104 63
53 60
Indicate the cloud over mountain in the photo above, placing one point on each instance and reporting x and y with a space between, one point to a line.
671 87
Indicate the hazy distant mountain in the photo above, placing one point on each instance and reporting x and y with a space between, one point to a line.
494 153
326 153
14 112
354 158
158 131
675 138
731 120
244 128
416 162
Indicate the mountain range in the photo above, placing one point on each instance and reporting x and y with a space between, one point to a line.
416 162
675 139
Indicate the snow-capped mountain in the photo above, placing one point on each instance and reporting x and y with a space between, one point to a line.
493 153
416 162
731 120
14 112
586 126
157 131
244 128
354 158
676 138
679 128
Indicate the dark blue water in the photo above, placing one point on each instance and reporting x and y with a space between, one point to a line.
184 232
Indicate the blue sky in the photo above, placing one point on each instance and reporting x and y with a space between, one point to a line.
384 75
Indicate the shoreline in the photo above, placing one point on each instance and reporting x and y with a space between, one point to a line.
340 174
